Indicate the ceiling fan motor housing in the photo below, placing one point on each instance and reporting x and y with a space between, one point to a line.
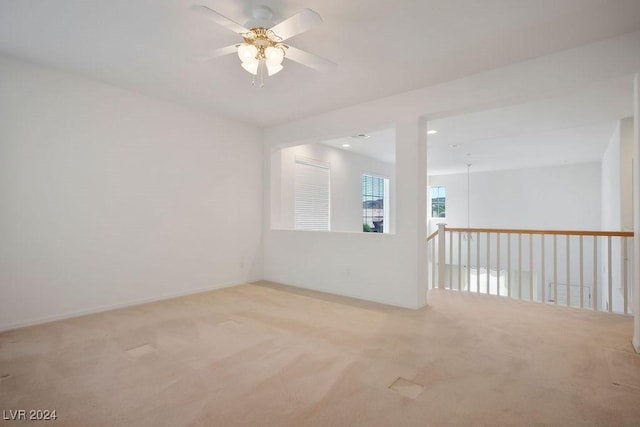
262 13
262 38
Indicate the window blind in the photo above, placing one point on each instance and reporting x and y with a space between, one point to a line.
311 195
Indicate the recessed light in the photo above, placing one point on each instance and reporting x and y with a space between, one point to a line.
346 145
360 136
432 132
453 145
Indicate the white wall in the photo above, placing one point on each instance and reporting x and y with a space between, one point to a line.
346 184
317 260
612 215
611 184
109 197
556 197
617 168
617 204
387 268
549 198
626 173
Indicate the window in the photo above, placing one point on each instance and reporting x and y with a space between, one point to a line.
375 204
438 199
311 195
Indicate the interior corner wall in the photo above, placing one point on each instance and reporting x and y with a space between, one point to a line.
110 198
617 170
613 207
626 173
346 168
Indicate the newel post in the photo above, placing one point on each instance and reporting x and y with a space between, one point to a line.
441 254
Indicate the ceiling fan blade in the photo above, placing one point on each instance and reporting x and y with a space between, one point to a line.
310 60
219 19
298 23
216 53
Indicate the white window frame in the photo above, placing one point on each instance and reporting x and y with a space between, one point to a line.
386 199
431 202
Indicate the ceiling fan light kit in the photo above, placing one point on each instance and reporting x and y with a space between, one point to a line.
263 50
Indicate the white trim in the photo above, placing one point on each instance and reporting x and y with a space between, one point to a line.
354 295
108 307
312 162
376 175
386 207
430 203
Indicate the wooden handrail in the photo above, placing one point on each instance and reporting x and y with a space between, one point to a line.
551 232
545 277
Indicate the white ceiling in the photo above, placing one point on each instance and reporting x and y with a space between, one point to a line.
382 48
564 129
380 145
572 128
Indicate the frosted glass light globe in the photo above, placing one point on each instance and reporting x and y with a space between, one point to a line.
247 53
273 68
251 67
274 55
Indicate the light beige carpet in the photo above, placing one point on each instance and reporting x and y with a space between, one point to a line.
269 355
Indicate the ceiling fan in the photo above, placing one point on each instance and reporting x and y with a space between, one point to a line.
263 49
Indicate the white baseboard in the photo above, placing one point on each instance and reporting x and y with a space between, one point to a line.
384 301
102 308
